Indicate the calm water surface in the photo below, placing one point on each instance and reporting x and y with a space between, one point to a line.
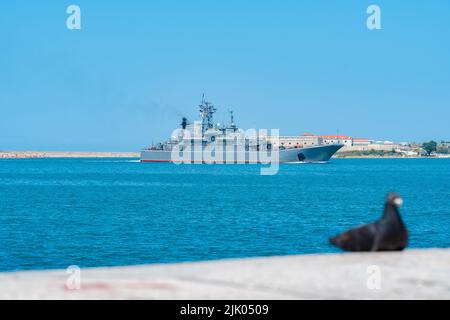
103 212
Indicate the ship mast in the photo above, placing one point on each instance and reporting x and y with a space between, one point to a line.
232 125
207 110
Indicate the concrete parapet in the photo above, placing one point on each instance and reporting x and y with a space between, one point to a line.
413 274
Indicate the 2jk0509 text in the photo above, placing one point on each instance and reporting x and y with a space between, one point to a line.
229 310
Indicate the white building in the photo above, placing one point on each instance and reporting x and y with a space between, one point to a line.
305 140
362 142
345 140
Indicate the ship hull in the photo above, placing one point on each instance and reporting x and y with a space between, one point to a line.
315 154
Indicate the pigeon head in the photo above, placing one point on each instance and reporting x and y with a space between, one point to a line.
392 205
394 199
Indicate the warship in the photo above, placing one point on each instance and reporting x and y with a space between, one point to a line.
207 142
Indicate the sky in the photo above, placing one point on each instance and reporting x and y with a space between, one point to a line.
136 67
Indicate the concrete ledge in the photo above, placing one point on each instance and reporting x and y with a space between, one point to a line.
413 274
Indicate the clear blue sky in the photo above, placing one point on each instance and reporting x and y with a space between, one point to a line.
136 67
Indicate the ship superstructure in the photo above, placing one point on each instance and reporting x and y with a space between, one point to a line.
207 142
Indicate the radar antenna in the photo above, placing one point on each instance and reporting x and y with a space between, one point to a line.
207 110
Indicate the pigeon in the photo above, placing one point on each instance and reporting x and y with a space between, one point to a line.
386 234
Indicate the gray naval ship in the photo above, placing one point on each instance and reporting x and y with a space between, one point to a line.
206 142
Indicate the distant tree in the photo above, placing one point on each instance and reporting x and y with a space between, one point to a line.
429 147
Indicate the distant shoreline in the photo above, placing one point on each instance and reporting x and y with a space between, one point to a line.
87 154
64 154
382 157
389 157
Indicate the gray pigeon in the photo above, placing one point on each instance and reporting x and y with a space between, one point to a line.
387 234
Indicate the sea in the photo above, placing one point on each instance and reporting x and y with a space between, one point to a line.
55 213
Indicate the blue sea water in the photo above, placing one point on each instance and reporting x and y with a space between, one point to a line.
106 212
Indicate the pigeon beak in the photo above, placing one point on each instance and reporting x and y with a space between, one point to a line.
398 202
